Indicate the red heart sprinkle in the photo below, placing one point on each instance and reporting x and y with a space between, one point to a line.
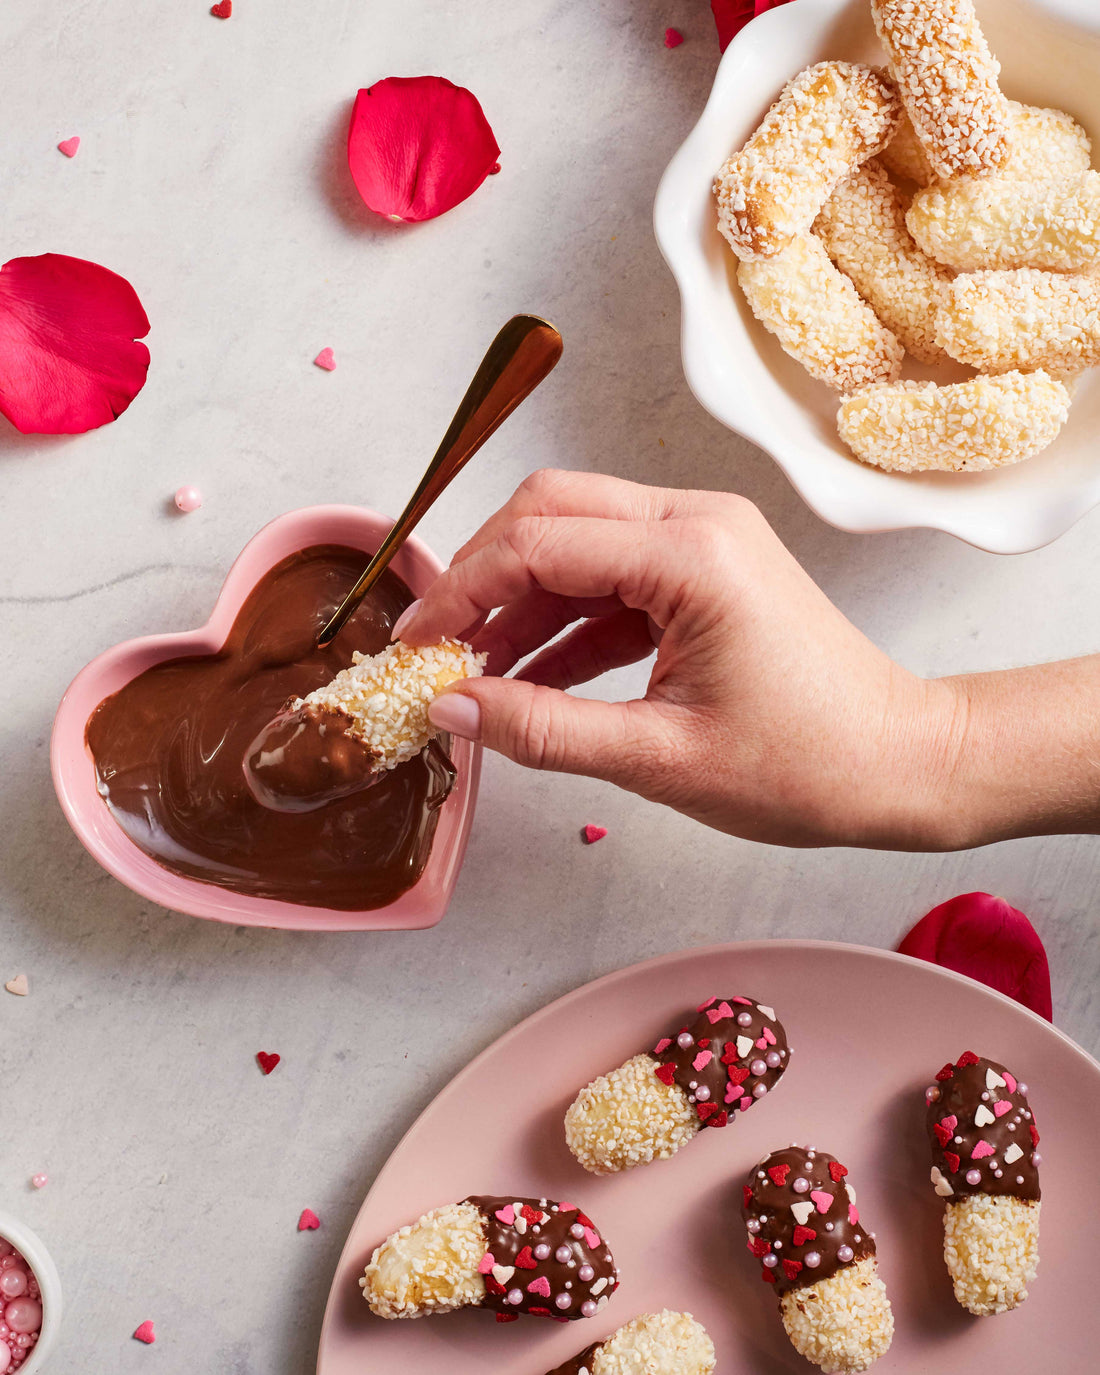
673 38
593 833
746 1194
966 1058
705 1110
1034 1130
703 1042
494 1286
791 1268
943 1136
531 1215
526 1261
952 1161
540 1312
768 1276
948 1072
267 1060
837 1171
309 1221
666 1073
759 1247
738 1075
145 1333
222 10
720 1119
585 1220
804 1234
507 1317
778 1173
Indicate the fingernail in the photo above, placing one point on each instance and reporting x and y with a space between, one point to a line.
404 619
458 714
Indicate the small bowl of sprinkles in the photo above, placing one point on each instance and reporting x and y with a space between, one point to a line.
30 1300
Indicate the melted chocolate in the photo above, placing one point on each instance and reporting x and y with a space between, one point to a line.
580 1364
727 1059
966 1114
307 758
551 1246
168 750
799 1238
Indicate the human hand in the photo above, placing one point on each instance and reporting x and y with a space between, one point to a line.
767 715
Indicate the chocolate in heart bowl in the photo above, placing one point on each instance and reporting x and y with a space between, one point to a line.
149 740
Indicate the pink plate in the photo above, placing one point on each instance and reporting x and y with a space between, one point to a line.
869 1029
74 773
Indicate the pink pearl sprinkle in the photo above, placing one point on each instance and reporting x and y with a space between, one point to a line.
23 1315
40 1180
5 1356
13 1283
188 499
973 1176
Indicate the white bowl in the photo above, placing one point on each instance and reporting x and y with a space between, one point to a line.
49 1283
738 371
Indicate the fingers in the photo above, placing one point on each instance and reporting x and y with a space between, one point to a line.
524 625
593 648
647 565
542 728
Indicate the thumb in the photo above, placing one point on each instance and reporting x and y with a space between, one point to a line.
541 727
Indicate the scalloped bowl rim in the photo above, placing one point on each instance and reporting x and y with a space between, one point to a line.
74 775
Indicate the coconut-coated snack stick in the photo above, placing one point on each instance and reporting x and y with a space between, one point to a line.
826 122
804 1227
819 317
966 427
862 226
1024 319
948 82
1000 223
510 1255
1042 143
985 1151
713 1065
663 1343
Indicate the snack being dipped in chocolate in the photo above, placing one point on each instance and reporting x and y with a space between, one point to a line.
728 1058
342 737
805 1229
662 1343
986 1166
510 1255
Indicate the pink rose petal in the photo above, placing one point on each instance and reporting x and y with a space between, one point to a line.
145 1333
983 937
418 146
326 359
731 16
309 1221
68 146
69 360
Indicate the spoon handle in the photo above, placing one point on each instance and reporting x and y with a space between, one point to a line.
522 354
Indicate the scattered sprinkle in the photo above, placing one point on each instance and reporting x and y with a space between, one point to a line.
145 1333
326 359
309 1221
590 834
267 1060
18 986
187 499
68 146
673 38
222 10
40 1180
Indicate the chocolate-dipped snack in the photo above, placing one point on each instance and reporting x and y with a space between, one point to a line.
662 1343
986 1166
804 1227
509 1255
720 1063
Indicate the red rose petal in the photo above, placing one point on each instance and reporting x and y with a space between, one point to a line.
267 1060
673 38
69 360
526 1260
418 146
837 1171
731 16
988 940
778 1173
144 1333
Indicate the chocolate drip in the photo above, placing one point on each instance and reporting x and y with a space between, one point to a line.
580 1364
168 749
549 1260
802 1220
729 1057
980 1146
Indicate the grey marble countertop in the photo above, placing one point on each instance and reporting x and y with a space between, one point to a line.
212 175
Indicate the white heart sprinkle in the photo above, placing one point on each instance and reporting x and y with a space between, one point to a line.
851 1191
18 986
520 1224
994 1081
503 1273
1012 1154
983 1116
744 1045
600 1285
768 1012
942 1186
802 1212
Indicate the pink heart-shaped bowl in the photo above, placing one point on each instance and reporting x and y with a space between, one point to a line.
74 772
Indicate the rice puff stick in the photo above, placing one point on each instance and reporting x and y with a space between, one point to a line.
1025 319
862 226
510 1255
819 317
967 427
996 223
804 1227
947 79
827 121
662 1343
731 1055
986 1166
1042 143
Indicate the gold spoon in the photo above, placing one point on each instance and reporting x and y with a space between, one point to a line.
523 353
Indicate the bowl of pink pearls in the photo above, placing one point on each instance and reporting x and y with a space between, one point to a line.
30 1300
